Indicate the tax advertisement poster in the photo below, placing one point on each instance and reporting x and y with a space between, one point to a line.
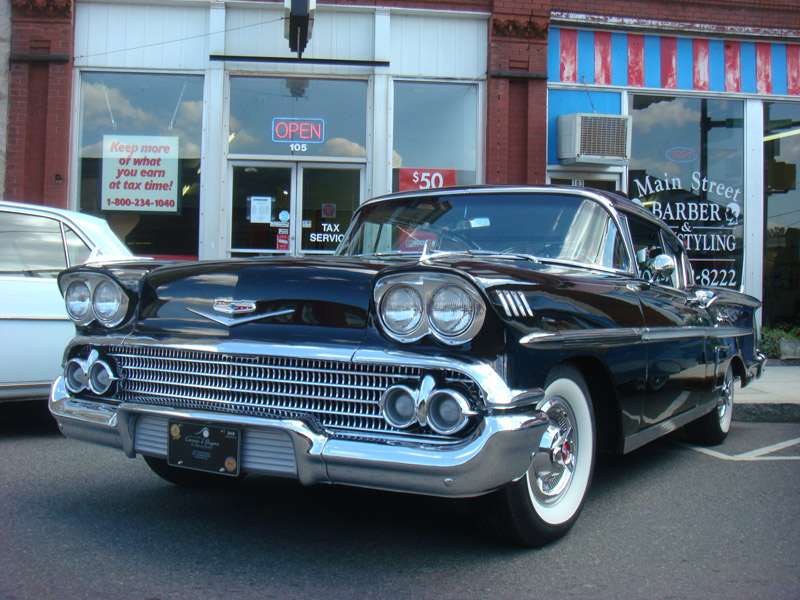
140 174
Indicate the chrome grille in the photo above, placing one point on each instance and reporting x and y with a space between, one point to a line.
340 397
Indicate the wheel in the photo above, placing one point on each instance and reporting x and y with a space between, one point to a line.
187 477
544 504
711 429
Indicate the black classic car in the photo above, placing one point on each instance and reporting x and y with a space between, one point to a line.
479 343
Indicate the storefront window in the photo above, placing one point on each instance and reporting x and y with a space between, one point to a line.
435 135
140 140
298 117
688 169
782 214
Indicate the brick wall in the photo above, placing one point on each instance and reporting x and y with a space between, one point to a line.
40 92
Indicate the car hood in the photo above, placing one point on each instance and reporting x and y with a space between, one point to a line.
312 299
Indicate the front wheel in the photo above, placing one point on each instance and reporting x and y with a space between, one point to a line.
544 504
711 429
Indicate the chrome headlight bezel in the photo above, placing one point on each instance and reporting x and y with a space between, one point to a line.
95 281
426 285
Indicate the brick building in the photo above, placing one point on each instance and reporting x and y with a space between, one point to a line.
196 131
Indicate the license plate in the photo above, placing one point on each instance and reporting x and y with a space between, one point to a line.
203 447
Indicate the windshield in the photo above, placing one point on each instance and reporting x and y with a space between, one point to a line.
545 226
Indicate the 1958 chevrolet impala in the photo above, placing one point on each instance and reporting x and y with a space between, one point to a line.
481 342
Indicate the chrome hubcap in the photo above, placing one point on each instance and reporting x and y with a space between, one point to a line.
554 463
725 402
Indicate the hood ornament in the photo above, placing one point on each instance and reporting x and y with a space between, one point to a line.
229 306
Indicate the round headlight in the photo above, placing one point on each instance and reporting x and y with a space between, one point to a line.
402 310
100 377
398 406
78 299
447 412
75 376
107 302
451 310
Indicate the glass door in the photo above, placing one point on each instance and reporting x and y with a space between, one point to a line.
329 196
291 208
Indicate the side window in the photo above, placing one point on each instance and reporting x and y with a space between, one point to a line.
77 249
30 245
688 271
614 253
648 243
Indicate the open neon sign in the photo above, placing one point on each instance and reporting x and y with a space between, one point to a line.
307 131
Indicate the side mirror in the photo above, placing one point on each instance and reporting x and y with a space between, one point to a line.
664 266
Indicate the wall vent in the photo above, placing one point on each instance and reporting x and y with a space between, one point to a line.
589 138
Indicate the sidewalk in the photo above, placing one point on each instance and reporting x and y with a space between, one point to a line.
775 397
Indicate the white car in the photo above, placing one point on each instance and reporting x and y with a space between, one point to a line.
36 243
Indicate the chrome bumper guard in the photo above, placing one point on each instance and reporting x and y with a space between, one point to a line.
498 452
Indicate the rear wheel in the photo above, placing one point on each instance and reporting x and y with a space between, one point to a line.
543 505
187 477
711 429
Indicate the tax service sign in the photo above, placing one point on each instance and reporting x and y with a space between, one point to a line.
140 173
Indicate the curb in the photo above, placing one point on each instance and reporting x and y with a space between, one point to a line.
767 413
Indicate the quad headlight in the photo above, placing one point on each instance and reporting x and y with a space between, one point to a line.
413 305
92 373
451 310
107 301
402 310
94 296
79 300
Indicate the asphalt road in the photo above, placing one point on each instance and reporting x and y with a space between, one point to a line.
668 521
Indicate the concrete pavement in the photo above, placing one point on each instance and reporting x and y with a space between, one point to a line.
775 397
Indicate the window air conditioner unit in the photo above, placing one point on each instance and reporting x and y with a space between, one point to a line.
589 138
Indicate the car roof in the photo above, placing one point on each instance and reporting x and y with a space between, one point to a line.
95 229
613 199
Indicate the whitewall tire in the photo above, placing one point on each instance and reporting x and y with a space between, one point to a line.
543 505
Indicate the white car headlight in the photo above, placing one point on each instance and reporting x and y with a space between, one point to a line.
401 310
109 303
78 299
451 310
417 304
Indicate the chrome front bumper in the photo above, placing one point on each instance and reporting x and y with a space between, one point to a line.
498 452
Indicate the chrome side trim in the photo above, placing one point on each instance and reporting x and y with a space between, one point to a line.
665 334
629 335
640 438
585 337
21 318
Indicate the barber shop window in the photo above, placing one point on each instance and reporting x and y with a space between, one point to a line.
687 167
140 140
435 135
